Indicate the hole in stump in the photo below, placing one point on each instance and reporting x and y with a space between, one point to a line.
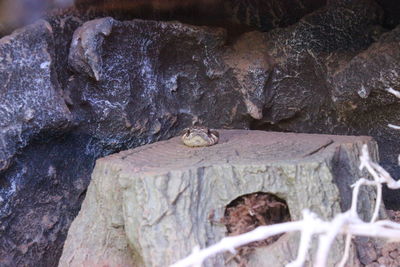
247 212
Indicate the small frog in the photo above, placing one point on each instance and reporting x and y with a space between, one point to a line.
198 136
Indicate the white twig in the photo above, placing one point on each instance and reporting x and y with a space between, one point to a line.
232 242
346 253
393 92
396 127
326 240
378 173
388 224
347 223
305 240
397 94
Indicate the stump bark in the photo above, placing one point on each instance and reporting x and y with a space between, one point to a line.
151 205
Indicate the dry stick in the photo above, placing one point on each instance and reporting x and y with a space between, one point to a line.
346 223
346 253
379 174
383 229
305 240
353 213
397 94
394 92
232 242
396 127
326 240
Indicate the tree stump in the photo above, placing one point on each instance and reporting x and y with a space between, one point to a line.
151 205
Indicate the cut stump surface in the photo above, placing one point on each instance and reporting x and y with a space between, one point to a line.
151 205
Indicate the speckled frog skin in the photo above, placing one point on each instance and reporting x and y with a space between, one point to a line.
199 136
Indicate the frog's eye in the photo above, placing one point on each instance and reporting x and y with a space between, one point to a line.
185 131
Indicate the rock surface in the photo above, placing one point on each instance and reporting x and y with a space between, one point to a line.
266 15
41 188
31 104
171 74
151 205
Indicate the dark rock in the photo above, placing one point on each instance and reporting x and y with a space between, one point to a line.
141 81
30 100
366 250
46 185
330 76
360 94
372 71
64 24
299 94
35 207
392 11
266 15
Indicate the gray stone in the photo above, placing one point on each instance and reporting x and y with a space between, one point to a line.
170 74
30 101
151 205
366 250
39 194
299 89
370 72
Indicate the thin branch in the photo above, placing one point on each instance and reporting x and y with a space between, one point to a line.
232 242
393 92
326 240
346 253
378 173
347 223
396 127
305 240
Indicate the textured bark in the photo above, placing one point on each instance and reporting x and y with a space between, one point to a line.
158 199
